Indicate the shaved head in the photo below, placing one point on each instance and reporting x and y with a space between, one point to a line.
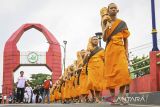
94 41
112 9
112 4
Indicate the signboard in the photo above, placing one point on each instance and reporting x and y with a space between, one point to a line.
32 58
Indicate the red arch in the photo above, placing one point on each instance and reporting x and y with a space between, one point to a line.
11 59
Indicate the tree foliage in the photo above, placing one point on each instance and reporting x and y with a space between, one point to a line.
37 79
137 67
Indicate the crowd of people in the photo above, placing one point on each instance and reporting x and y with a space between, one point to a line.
24 93
97 69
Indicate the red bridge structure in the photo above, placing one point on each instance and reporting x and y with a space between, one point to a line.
11 61
149 82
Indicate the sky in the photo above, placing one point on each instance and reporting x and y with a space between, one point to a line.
74 21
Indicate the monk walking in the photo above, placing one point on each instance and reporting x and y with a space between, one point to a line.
94 68
116 54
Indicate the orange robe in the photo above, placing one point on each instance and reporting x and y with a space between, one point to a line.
51 95
77 87
83 81
116 71
95 71
62 91
71 87
56 94
66 89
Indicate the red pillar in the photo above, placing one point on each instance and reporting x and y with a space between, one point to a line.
154 71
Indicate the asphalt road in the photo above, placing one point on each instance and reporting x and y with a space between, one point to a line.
73 105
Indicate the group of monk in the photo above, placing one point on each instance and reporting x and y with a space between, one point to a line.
97 69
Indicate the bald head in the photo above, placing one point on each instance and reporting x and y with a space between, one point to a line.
112 4
94 41
112 9
83 53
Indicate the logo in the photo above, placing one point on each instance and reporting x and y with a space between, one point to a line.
135 99
132 99
32 57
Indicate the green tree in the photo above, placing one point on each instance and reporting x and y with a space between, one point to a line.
37 79
140 65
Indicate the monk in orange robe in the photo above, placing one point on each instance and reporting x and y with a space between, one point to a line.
116 53
83 77
64 89
61 88
71 81
56 91
52 96
71 87
77 87
95 67
67 88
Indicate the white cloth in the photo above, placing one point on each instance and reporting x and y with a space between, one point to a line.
28 90
21 82
5 97
34 98
29 93
26 97
30 97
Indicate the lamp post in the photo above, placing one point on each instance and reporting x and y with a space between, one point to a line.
64 48
154 31
64 60
99 35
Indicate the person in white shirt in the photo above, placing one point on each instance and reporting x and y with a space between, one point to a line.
5 99
26 97
34 97
20 87
28 90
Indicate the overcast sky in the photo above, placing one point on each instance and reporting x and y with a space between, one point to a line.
74 21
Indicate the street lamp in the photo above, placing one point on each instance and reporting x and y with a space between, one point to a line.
154 31
64 60
99 36
64 48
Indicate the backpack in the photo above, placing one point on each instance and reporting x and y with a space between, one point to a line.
46 84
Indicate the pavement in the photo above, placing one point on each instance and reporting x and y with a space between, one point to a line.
73 105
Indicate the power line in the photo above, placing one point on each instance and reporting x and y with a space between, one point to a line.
150 43
140 49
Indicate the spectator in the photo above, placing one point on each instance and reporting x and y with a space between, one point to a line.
14 95
36 92
28 90
0 98
34 96
47 85
5 99
26 97
20 87
41 90
10 98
